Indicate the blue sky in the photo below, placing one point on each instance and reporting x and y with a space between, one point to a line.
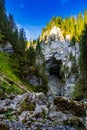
33 15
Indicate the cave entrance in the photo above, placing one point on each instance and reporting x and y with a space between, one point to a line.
55 68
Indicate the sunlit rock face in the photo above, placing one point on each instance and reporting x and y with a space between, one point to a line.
67 37
54 49
60 59
56 32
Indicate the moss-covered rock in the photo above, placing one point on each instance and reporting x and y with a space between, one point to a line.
75 108
3 127
75 122
28 105
42 114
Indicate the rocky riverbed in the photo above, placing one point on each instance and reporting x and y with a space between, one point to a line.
36 111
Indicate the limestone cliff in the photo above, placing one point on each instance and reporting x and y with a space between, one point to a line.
61 62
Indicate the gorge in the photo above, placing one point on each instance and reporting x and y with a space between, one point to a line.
56 110
43 82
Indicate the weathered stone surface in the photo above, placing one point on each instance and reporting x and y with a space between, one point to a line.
42 99
54 85
31 111
57 117
77 123
60 58
3 126
35 80
6 48
64 104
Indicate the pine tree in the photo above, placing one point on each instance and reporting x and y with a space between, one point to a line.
3 19
1 38
22 42
85 16
30 56
58 21
15 41
22 36
3 16
83 61
79 25
5 23
72 26
12 23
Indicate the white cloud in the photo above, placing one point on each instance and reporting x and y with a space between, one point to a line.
21 6
19 26
32 32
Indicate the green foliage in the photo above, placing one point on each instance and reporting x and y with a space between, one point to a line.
28 105
73 41
38 47
83 61
31 56
74 68
85 16
6 69
11 22
78 94
10 68
1 38
79 25
18 65
9 31
70 56
58 22
68 25
5 66
81 86
8 88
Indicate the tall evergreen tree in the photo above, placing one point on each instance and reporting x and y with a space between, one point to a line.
79 25
22 41
31 56
5 27
58 21
15 41
3 18
83 61
12 23
85 16
72 26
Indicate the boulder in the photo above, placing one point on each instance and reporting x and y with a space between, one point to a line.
37 111
41 98
3 126
57 117
76 122
8 48
64 104
35 80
